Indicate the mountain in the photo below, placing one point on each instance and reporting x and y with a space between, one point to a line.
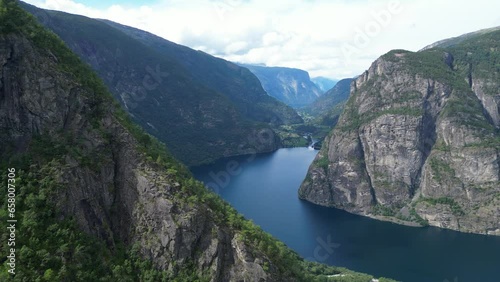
327 108
98 199
291 86
323 83
202 107
456 40
419 140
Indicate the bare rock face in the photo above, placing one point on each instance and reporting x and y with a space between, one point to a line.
291 86
126 197
490 101
414 136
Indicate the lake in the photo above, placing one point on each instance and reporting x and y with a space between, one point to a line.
264 189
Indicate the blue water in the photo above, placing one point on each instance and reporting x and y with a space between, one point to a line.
264 189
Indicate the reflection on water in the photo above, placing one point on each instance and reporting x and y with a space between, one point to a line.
264 188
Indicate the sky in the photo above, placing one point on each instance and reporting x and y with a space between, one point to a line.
330 38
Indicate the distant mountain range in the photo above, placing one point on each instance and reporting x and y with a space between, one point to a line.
291 86
202 107
323 83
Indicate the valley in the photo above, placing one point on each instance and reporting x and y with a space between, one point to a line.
267 185
141 159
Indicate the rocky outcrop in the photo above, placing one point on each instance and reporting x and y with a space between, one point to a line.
85 166
416 142
126 198
485 91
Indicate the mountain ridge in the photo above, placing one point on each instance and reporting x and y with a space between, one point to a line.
289 85
101 200
449 42
419 140
327 108
324 83
226 113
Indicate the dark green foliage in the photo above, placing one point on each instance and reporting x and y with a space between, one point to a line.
301 135
479 57
286 261
15 20
404 105
52 247
430 64
441 146
12 18
394 212
322 162
328 107
202 107
454 206
490 142
356 120
383 210
441 169
292 142
395 55
474 58
417 218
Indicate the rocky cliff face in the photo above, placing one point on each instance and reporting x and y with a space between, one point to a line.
56 113
82 165
291 86
126 198
419 141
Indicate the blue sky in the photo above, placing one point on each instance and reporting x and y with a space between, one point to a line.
332 38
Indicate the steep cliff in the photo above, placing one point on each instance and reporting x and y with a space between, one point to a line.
291 86
202 107
97 199
419 140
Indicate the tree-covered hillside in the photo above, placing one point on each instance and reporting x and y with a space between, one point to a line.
202 107
97 198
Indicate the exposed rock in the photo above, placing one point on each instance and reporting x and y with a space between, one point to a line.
291 86
421 146
126 198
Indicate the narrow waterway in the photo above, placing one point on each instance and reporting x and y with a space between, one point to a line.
264 189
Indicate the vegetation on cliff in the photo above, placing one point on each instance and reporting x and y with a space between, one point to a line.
419 138
204 108
51 245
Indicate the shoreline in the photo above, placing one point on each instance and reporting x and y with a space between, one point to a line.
394 220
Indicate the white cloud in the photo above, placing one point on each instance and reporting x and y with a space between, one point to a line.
329 38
